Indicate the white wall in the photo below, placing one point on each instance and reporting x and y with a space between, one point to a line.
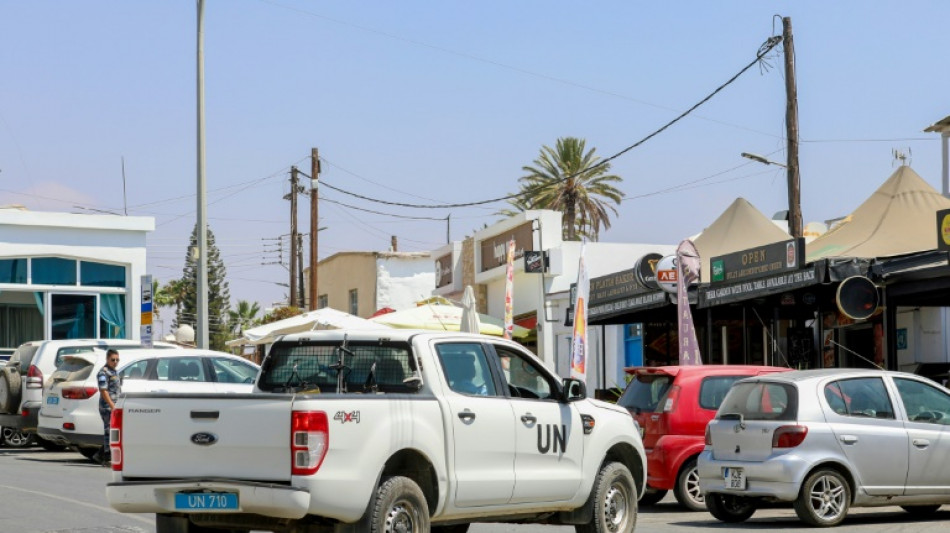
402 281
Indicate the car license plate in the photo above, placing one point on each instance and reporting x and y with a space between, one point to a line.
52 400
206 501
734 477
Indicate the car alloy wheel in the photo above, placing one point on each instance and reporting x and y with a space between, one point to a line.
687 487
824 499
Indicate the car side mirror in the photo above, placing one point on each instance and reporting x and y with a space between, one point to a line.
574 390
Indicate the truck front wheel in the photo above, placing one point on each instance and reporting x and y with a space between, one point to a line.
399 507
614 502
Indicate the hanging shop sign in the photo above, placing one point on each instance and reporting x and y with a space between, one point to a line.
494 250
666 274
535 261
943 229
758 262
443 271
645 268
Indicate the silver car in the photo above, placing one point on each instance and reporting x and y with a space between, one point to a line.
826 440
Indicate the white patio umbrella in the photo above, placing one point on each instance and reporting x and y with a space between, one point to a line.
469 322
325 318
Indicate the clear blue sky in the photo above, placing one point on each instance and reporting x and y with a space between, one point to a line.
431 102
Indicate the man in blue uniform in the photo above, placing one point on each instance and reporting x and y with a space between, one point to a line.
108 380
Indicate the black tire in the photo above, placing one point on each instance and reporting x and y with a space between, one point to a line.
457 528
14 438
399 505
730 509
10 389
686 489
824 499
613 502
165 523
88 453
920 510
652 496
49 445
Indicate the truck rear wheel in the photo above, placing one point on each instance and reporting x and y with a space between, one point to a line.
399 507
614 502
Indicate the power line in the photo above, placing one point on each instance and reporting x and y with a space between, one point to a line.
769 44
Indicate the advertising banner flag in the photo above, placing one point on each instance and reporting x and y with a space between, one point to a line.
579 338
509 290
687 271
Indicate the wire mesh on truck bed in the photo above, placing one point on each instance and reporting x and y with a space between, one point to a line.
361 367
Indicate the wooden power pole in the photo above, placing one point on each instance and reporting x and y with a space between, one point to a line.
293 236
791 124
314 231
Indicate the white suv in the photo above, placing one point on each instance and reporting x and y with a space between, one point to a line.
25 377
70 412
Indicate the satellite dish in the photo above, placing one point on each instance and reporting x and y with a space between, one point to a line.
857 297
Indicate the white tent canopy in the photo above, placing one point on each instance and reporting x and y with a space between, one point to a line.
325 318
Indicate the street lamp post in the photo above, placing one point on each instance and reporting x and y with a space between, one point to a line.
761 159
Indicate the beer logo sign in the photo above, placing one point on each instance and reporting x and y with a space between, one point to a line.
718 270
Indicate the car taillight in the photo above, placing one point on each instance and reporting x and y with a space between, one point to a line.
789 436
115 439
671 399
34 378
79 393
708 438
309 440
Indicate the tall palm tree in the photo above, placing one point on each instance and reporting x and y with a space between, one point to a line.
244 316
175 292
567 179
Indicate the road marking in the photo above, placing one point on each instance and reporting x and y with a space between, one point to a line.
78 502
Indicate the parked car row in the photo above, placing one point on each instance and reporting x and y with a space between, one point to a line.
56 403
732 439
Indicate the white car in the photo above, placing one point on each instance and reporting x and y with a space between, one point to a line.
25 378
70 411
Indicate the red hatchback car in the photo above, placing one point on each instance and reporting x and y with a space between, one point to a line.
673 404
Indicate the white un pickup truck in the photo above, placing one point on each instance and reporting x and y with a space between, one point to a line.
381 431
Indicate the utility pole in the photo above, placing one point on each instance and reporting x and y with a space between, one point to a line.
791 124
314 182
301 297
293 236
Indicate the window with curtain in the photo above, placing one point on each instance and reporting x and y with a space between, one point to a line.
101 275
53 271
112 316
73 316
12 270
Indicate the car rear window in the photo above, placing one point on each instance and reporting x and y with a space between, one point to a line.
761 400
713 390
313 367
73 369
644 392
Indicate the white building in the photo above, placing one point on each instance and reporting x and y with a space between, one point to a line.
541 300
68 275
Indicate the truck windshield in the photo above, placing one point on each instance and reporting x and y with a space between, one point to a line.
311 367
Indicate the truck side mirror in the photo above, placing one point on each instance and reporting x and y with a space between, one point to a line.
574 389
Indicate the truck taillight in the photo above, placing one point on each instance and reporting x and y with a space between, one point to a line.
789 436
309 440
671 398
34 378
708 438
79 393
115 439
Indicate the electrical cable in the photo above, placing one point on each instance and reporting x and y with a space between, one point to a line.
769 44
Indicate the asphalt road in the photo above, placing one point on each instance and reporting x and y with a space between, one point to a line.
60 492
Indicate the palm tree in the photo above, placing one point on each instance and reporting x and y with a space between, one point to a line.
568 180
173 293
243 316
